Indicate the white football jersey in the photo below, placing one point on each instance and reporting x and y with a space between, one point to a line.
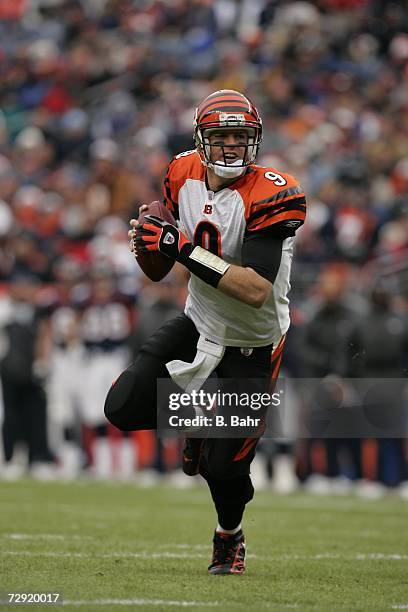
219 222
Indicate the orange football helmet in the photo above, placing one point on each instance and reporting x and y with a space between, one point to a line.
227 109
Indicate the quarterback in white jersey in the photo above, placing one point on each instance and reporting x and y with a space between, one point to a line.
234 229
260 202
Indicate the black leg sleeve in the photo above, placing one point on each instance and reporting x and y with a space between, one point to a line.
131 400
230 498
131 403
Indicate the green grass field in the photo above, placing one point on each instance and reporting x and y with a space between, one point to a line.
114 547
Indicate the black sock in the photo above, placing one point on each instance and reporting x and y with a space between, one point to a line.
230 515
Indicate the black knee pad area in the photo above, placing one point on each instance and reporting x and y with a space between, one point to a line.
125 404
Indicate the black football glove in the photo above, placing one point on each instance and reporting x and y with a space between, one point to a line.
156 235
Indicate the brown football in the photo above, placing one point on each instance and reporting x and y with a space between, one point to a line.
155 265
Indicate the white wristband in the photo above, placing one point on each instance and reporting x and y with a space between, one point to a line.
208 259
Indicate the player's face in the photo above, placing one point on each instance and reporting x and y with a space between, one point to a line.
227 146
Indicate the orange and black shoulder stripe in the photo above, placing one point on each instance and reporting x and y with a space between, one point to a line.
184 166
272 203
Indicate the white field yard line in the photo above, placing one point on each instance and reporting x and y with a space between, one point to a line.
186 555
324 555
45 536
169 553
191 546
165 602
59 536
79 555
141 602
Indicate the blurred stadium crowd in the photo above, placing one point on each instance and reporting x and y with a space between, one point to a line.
96 97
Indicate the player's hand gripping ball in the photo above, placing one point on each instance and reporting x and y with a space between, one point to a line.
155 265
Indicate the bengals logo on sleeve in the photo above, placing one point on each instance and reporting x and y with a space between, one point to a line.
281 202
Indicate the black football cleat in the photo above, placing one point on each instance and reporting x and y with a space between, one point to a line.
228 554
192 455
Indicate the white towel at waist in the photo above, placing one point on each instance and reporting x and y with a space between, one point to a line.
191 376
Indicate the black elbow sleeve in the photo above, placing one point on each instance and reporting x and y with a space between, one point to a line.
262 252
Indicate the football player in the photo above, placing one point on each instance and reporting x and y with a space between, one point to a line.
235 234
62 303
108 316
